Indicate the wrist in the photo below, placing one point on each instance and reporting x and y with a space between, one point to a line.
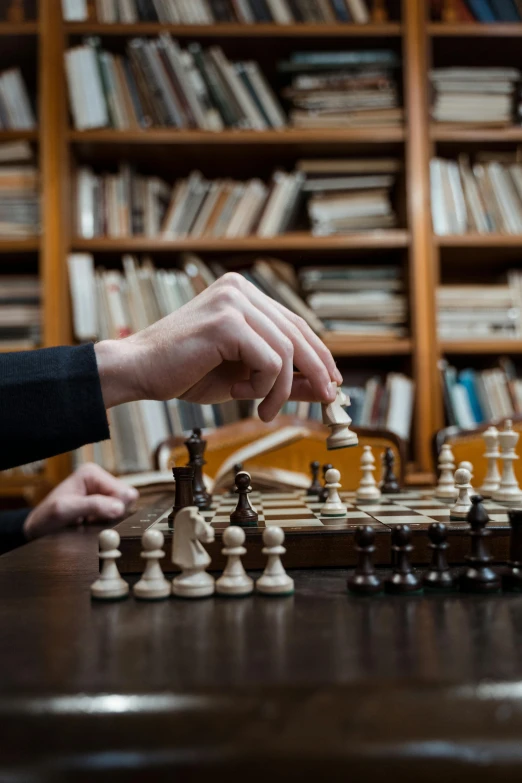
117 372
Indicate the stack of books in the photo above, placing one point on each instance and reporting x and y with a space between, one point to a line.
341 196
472 397
486 11
481 312
127 204
357 301
16 112
474 95
20 312
19 201
212 11
156 83
485 197
350 195
343 89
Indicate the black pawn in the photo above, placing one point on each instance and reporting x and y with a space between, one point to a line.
323 494
244 515
390 485
184 478
402 580
364 580
512 579
439 577
196 448
479 577
315 487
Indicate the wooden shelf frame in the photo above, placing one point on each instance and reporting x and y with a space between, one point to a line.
229 30
416 142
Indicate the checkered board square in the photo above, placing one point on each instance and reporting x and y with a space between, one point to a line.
295 511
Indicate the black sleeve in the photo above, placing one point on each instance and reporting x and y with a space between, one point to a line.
11 529
50 402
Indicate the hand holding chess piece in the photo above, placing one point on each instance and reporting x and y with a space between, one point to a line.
336 418
109 586
190 532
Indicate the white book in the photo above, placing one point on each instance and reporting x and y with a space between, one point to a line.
74 10
462 407
266 95
460 212
155 424
85 89
359 11
174 54
85 202
438 202
83 294
280 12
16 100
400 404
507 198
274 205
127 11
106 11
207 208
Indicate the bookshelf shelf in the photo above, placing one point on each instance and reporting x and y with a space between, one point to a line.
481 135
477 30
11 246
482 347
18 135
479 240
228 137
21 28
301 241
341 345
225 30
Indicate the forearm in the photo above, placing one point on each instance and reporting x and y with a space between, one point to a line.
50 402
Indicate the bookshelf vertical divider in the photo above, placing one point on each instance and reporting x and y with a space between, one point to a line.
53 166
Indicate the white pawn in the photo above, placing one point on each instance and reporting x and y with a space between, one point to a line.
109 586
492 480
468 466
334 507
234 580
152 586
368 491
446 489
274 579
508 491
461 508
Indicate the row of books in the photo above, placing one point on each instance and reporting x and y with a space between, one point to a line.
484 196
156 83
481 312
486 11
475 96
20 312
472 397
343 89
212 11
19 201
340 196
16 112
353 300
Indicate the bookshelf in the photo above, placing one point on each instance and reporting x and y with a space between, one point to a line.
422 253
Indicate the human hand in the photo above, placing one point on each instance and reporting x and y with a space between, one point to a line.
90 494
230 342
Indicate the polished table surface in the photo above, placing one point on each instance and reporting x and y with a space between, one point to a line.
316 685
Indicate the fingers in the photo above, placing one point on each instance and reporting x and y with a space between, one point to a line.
310 351
60 511
264 363
98 481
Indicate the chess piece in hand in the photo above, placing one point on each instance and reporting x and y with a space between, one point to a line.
230 342
90 494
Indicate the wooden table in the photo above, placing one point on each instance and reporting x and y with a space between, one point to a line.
320 686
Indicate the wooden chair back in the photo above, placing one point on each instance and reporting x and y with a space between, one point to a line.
224 441
469 445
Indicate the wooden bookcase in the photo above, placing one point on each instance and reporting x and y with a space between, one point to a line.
423 253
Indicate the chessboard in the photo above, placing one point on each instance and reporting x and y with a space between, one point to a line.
313 541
